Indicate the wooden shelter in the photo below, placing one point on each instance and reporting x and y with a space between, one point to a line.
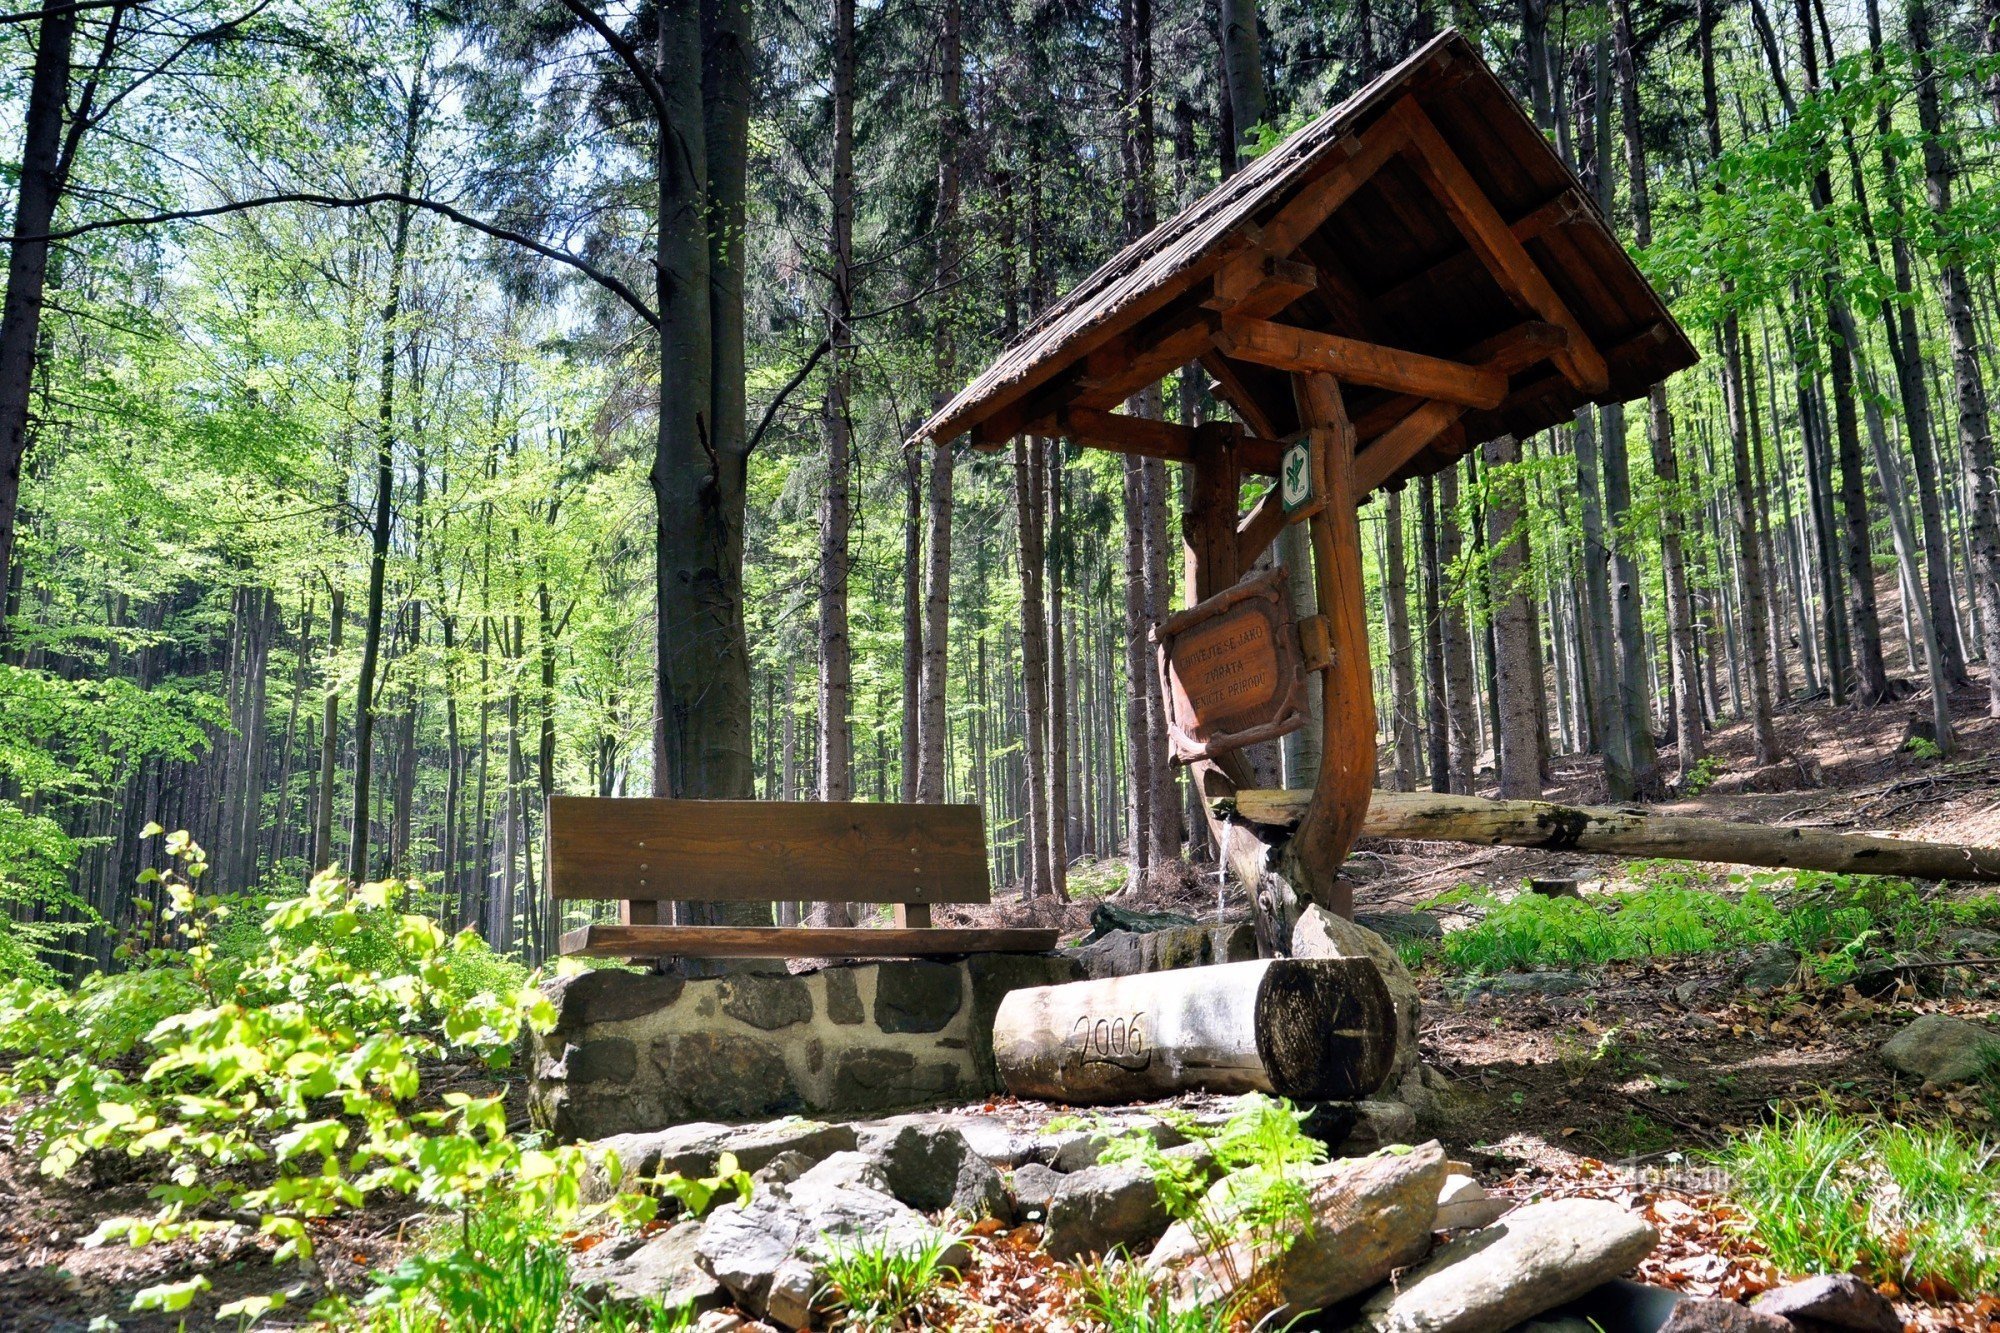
1411 274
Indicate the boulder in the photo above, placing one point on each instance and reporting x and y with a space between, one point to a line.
1940 1049
1703 1314
1103 1208
1323 934
1126 953
770 1252
1463 1204
665 1266
1379 1124
1534 1260
1520 984
1034 1185
692 1149
1369 1217
1394 925
1831 1301
930 1165
1771 968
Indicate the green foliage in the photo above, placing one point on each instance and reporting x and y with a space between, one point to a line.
1702 776
1836 921
1261 1207
880 1285
285 1085
1126 1298
1910 1204
1923 747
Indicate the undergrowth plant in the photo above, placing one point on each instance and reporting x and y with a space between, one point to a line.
1837 922
285 1084
879 1284
1125 1298
1260 1208
1915 1205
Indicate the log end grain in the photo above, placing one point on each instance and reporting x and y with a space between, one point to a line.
1326 1028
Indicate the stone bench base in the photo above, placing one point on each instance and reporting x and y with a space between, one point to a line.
632 1051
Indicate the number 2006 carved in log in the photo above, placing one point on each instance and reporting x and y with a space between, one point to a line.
1111 1041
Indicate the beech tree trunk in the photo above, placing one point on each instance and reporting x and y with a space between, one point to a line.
1402 659
1975 438
1452 628
1034 662
1517 731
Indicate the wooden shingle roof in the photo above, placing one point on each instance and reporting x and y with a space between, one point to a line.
1421 241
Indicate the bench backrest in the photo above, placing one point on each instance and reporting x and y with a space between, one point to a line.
644 849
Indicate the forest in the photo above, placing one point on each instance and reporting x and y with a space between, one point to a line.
412 412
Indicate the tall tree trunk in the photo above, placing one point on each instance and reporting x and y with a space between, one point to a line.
385 501
1452 628
1660 425
1059 685
1034 662
933 688
1243 67
1975 438
913 623
1138 663
1402 658
39 190
1750 559
836 733
1517 728
1436 724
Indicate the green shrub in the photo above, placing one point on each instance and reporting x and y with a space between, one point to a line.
286 1084
1914 1205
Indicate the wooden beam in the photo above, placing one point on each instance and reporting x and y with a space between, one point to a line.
1493 240
1621 831
1322 197
1229 387
1382 457
1209 523
1303 351
1258 284
1260 527
1123 433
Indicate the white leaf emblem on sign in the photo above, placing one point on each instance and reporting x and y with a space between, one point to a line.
1297 476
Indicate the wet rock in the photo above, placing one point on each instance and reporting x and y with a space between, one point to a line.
606 1060
1829 1302
1940 1049
1370 1216
1103 1208
1125 953
1537 1258
1771 968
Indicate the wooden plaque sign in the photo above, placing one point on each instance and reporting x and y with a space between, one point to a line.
1231 669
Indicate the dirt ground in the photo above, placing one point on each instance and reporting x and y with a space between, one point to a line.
1603 1089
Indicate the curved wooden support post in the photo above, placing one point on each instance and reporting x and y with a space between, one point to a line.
1339 801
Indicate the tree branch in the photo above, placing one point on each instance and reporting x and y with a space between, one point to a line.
786 392
626 53
608 281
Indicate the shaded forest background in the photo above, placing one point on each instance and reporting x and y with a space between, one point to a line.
335 543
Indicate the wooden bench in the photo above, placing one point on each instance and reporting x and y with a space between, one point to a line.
645 852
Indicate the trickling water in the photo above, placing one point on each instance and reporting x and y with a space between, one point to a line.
1222 868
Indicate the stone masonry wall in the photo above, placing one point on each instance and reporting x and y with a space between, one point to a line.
633 1051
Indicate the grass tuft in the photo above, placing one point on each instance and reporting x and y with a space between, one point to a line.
1125 1298
879 1285
1915 1205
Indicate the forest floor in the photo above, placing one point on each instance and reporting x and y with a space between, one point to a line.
1611 1086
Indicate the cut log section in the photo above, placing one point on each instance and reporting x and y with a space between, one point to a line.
1622 831
1321 1029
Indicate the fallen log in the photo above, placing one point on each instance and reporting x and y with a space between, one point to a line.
1319 1029
1624 831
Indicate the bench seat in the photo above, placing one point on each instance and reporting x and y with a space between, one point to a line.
610 941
